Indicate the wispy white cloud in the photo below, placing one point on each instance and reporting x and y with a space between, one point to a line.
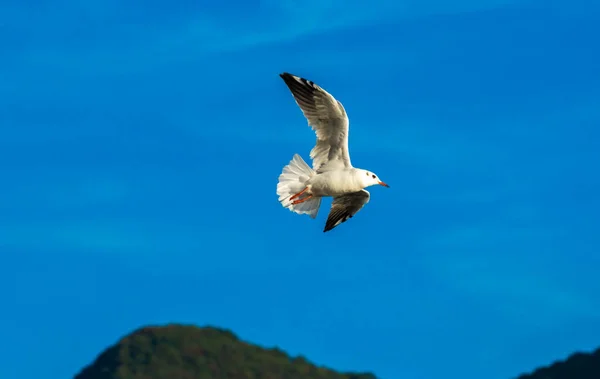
137 43
512 270
63 194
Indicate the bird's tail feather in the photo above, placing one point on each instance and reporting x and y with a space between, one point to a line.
291 181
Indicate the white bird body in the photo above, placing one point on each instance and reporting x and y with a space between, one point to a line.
300 187
335 183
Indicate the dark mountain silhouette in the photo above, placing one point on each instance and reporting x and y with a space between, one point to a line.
189 352
576 366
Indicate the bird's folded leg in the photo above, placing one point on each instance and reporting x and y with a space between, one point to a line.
298 194
302 200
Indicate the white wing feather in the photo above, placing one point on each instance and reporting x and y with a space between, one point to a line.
327 118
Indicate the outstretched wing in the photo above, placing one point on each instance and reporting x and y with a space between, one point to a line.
327 118
344 207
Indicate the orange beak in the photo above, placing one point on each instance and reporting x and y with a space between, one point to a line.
383 184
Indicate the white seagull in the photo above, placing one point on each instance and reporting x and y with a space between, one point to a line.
301 188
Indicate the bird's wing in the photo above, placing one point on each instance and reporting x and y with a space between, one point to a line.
327 118
345 206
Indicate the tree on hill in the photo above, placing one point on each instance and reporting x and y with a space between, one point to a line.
189 352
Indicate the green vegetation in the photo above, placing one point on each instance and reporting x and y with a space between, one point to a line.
577 366
188 352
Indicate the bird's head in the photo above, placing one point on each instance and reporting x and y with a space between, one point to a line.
369 178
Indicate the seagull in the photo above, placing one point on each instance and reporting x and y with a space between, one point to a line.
300 188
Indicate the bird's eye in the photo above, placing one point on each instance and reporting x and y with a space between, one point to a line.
373 176
367 173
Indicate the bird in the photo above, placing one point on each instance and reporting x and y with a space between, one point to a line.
301 188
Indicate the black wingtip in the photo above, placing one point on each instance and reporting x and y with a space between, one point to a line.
287 78
329 226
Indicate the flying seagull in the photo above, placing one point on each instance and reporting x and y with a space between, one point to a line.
300 188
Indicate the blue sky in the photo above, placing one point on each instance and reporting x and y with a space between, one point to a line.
140 149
